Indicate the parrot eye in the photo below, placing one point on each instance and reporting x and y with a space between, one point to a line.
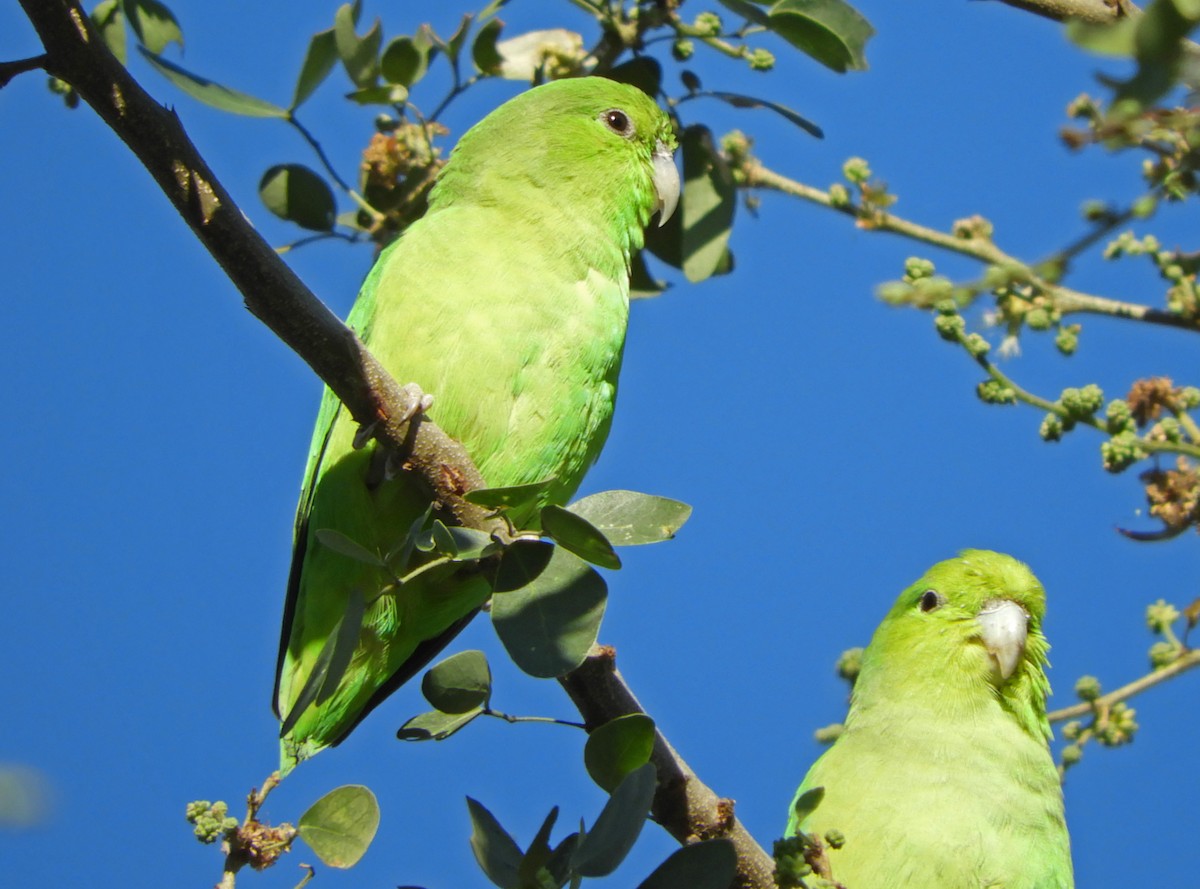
618 121
931 600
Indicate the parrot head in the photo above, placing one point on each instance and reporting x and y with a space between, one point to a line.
969 622
580 145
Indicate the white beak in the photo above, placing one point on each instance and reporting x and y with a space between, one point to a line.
1004 626
666 182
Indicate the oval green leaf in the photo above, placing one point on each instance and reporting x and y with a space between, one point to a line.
497 853
155 25
109 20
711 864
806 803
522 563
605 846
359 55
831 31
213 94
484 54
577 534
706 205
644 72
319 60
548 625
335 540
618 747
297 194
631 518
435 725
404 61
340 825
458 684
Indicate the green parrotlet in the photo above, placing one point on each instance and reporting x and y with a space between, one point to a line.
942 777
507 303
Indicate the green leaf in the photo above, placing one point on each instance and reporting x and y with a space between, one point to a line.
319 60
455 44
748 11
642 284
458 684
579 536
214 94
522 563
706 205
461 544
497 853
831 31
343 545
506 498
385 94
298 194
618 747
710 864
737 100
109 20
436 725
340 825
359 55
534 863
331 662
154 24
616 830
630 518
484 54
548 626
404 61
807 803
643 72
1158 43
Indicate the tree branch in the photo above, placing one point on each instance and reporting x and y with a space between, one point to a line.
9 70
1186 661
1097 12
1066 300
683 804
76 54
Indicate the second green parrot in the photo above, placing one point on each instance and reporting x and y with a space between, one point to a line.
942 776
507 302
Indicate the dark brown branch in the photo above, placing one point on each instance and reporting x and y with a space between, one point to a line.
9 70
683 804
76 54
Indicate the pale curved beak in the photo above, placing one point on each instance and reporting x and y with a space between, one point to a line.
666 182
1004 627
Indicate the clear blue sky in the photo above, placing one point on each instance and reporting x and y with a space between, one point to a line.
155 435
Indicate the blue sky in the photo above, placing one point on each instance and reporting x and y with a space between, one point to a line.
155 436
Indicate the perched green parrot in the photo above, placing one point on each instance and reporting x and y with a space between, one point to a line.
942 777
507 303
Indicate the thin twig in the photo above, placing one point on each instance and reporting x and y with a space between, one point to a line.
1065 299
1186 661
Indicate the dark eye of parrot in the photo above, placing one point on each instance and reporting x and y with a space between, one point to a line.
618 121
930 599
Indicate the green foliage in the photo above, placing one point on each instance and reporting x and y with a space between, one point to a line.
618 747
298 194
708 864
548 625
340 826
459 684
629 518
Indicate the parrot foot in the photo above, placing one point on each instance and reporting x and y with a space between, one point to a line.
421 401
